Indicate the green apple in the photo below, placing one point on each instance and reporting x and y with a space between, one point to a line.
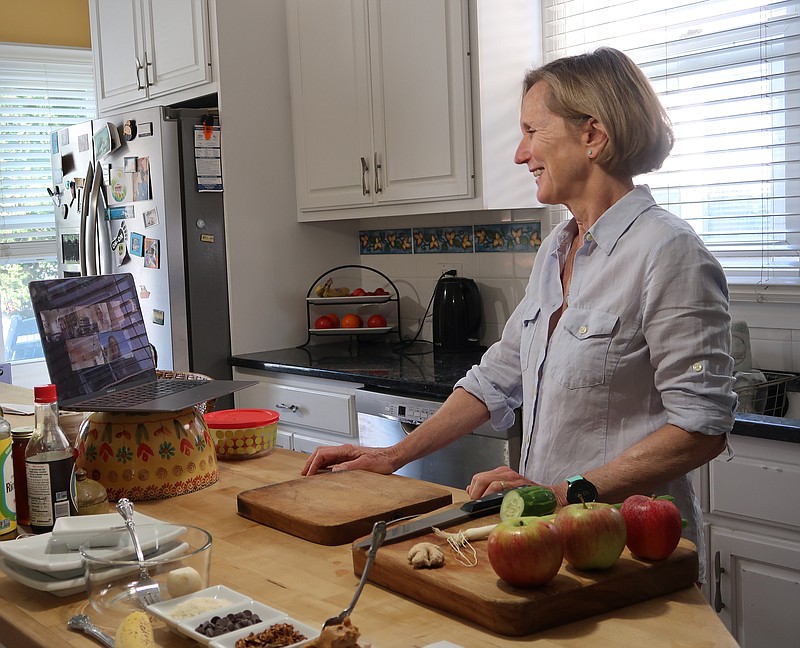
593 534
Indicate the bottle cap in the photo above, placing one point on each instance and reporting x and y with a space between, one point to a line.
44 394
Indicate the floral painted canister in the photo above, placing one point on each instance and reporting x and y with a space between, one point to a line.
147 456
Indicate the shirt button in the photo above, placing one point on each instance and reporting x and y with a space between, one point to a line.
583 329
697 367
588 237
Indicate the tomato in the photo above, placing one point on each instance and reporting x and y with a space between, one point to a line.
333 317
324 322
358 292
376 321
351 321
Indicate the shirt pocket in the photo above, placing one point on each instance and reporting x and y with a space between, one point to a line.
579 355
526 339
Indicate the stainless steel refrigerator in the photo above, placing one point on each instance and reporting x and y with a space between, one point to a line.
152 207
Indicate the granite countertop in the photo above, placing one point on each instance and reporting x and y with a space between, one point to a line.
416 370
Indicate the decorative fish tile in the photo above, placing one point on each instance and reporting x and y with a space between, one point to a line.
431 240
393 241
508 237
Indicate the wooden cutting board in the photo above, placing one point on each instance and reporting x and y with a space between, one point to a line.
478 595
338 507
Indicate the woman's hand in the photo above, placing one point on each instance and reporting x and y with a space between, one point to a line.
494 481
350 457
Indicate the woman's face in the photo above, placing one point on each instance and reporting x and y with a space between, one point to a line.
552 149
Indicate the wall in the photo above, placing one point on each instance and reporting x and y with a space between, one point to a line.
46 22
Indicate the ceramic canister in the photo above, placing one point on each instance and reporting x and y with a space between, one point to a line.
147 456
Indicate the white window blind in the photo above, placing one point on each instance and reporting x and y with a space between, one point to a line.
41 89
728 73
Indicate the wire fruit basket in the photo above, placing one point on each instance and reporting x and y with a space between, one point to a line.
767 397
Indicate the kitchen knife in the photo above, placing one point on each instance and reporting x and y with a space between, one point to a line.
421 525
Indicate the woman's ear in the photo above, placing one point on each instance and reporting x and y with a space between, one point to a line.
595 137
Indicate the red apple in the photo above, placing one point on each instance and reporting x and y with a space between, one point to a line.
525 552
324 322
376 321
358 292
593 534
654 526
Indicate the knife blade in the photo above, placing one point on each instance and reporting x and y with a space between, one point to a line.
468 511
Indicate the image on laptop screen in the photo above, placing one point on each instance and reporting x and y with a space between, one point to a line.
93 334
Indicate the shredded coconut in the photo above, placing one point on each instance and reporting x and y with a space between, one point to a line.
198 605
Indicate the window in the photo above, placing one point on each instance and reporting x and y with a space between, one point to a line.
41 89
728 73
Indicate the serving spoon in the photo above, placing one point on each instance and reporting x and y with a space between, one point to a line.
81 622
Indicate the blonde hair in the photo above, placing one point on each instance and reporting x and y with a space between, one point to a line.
607 85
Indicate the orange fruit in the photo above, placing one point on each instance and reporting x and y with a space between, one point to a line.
333 317
351 321
376 321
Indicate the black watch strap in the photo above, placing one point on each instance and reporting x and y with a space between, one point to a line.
580 489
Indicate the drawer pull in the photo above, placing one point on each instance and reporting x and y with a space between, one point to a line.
718 571
284 406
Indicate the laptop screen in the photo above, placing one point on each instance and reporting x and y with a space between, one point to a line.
93 334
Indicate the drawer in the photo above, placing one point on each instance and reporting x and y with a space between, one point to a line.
307 408
755 487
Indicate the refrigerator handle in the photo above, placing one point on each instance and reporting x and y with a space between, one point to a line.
85 203
92 224
104 251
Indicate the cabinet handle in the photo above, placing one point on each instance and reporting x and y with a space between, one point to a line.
139 68
284 406
364 171
718 571
147 65
378 188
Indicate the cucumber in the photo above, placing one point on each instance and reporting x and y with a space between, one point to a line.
527 501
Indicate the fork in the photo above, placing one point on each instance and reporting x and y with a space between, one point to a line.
378 535
146 589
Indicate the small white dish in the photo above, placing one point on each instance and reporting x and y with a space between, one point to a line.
239 603
74 530
361 299
229 640
47 554
54 584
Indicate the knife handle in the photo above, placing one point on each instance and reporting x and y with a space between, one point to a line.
485 503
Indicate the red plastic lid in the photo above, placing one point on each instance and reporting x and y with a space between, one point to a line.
241 418
45 394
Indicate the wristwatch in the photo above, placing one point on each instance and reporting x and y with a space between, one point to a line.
580 490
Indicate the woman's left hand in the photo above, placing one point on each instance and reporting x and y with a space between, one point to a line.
494 481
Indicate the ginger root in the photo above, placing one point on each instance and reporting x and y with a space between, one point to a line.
425 555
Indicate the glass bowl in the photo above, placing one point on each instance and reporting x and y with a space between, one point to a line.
177 557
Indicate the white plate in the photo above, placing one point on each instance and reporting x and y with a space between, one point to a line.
350 331
50 582
46 554
363 299
74 530
229 640
239 603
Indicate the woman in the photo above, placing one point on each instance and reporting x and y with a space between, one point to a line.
619 353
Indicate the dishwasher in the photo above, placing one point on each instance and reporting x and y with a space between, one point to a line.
385 418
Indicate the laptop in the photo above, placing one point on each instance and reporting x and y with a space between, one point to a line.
98 354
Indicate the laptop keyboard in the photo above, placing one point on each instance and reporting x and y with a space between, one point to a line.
143 393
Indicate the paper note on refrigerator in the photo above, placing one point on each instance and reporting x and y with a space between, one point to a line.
208 157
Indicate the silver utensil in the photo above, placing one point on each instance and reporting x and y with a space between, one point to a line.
146 589
378 535
81 622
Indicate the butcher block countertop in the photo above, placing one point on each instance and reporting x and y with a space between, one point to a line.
313 582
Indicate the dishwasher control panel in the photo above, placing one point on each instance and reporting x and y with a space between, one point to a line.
413 414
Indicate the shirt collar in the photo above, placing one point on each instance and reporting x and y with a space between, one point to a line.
616 220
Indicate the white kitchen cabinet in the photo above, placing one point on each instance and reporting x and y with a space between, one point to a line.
409 107
753 531
150 51
313 411
379 101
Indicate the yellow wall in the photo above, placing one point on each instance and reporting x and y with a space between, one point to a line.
46 22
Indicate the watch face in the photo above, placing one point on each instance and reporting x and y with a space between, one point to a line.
581 490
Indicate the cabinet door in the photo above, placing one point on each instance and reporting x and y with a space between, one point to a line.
759 587
420 93
118 52
177 45
330 102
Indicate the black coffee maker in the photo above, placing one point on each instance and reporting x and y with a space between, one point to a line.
456 314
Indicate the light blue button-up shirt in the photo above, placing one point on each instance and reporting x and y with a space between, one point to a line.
645 341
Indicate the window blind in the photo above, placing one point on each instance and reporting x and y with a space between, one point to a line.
728 73
41 89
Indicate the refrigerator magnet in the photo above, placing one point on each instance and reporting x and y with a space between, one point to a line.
143 292
129 130
129 164
142 179
145 129
137 244
158 317
121 213
122 253
150 217
151 253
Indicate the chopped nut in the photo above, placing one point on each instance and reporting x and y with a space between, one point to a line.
425 555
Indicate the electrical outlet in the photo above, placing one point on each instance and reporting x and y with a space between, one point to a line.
446 267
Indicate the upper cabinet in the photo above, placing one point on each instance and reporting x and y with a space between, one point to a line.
380 101
150 50
408 107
